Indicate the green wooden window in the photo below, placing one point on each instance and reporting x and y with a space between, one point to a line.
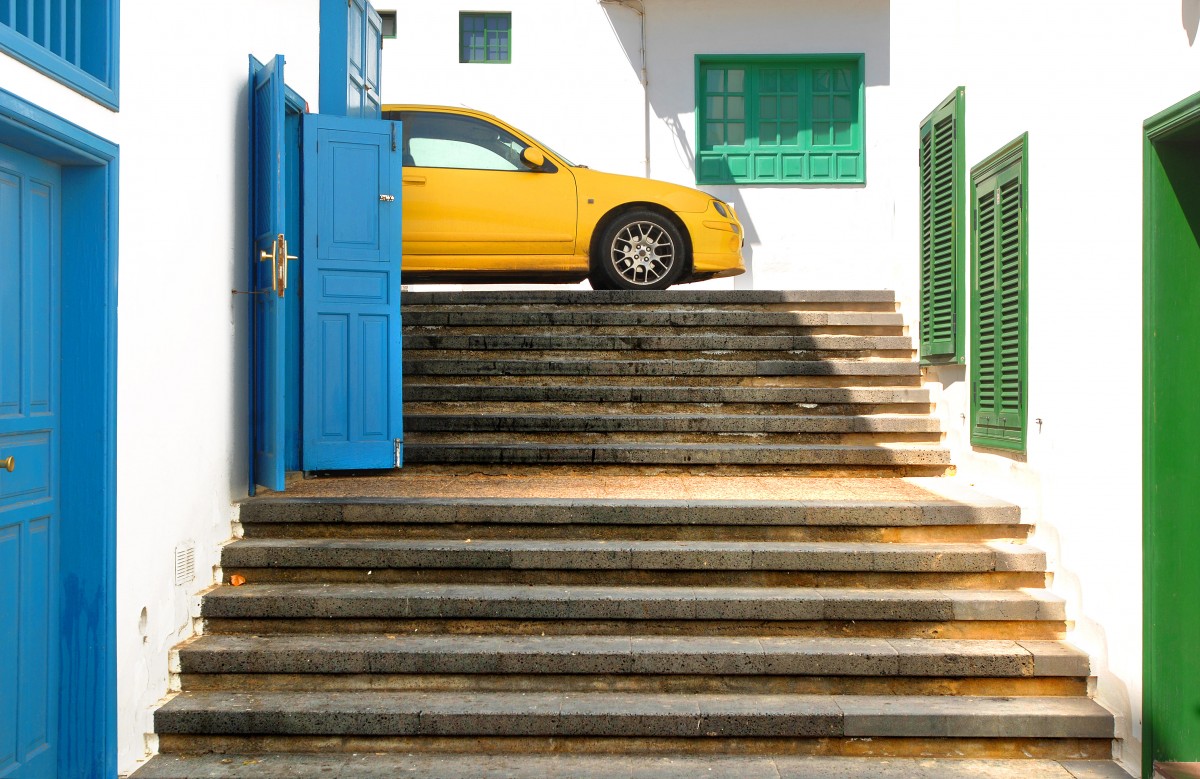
942 226
485 38
999 303
780 119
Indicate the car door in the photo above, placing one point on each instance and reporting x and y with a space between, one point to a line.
470 203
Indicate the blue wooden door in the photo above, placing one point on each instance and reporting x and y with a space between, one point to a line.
351 294
268 214
29 463
364 45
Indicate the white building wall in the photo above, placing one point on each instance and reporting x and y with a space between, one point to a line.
182 356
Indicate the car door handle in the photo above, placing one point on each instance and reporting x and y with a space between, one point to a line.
414 179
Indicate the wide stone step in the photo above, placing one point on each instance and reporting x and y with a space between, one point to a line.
525 602
681 454
630 555
954 508
535 366
416 390
638 655
670 423
658 316
612 766
420 339
626 298
364 713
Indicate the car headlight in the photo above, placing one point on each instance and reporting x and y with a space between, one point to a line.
717 204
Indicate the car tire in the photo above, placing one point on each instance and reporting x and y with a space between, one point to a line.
640 250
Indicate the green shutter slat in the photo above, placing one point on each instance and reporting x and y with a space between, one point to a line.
998 397
941 242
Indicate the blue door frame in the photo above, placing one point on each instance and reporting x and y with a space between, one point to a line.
86 601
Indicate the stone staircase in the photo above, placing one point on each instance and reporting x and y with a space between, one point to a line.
729 381
700 617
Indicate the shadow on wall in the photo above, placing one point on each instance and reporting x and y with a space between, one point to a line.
1191 19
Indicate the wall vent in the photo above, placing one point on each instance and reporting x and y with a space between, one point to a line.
185 563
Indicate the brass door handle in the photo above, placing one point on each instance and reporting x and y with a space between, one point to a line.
8 463
279 258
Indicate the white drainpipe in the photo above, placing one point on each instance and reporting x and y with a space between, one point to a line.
638 8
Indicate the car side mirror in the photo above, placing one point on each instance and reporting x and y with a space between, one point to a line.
532 158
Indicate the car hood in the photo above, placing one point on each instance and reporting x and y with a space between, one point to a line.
613 186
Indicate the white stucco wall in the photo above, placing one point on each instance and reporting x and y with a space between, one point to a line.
182 360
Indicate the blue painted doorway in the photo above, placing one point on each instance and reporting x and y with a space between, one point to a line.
30 443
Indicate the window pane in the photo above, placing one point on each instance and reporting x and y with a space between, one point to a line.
789 107
737 80
767 108
716 108
716 81
447 141
821 108
789 81
842 134
821 80
789 134
737 107
770 81
841 80
841 108
737 134
768 132
714 134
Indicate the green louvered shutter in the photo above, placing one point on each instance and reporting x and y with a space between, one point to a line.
998 365
941 159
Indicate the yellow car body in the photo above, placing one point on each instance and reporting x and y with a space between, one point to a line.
483 201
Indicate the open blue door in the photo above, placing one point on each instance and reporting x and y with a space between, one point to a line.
269 262
351 294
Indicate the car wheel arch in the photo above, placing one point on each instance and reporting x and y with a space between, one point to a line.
616 212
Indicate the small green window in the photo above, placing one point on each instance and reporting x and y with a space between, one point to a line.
943 230
485 37
1000 299
780 119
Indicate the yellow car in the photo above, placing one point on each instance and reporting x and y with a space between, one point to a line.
485 202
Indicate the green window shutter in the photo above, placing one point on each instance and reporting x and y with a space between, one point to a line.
780 119
941 164
1000 301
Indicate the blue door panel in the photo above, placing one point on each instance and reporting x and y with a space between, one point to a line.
351 307
30 192
10 294
10 607
269 190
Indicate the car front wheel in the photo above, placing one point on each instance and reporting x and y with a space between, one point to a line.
639 250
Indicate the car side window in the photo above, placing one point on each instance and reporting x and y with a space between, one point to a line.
464 142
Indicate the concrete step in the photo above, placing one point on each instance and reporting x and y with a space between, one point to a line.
663 316
956 508
420 339
703 604
606 392
710 556
682 454
611 766
628 655
680 297
365 714
534 365
669 423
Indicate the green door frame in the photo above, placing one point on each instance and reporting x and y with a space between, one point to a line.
1170 429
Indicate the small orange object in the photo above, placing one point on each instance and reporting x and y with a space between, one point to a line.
237 580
